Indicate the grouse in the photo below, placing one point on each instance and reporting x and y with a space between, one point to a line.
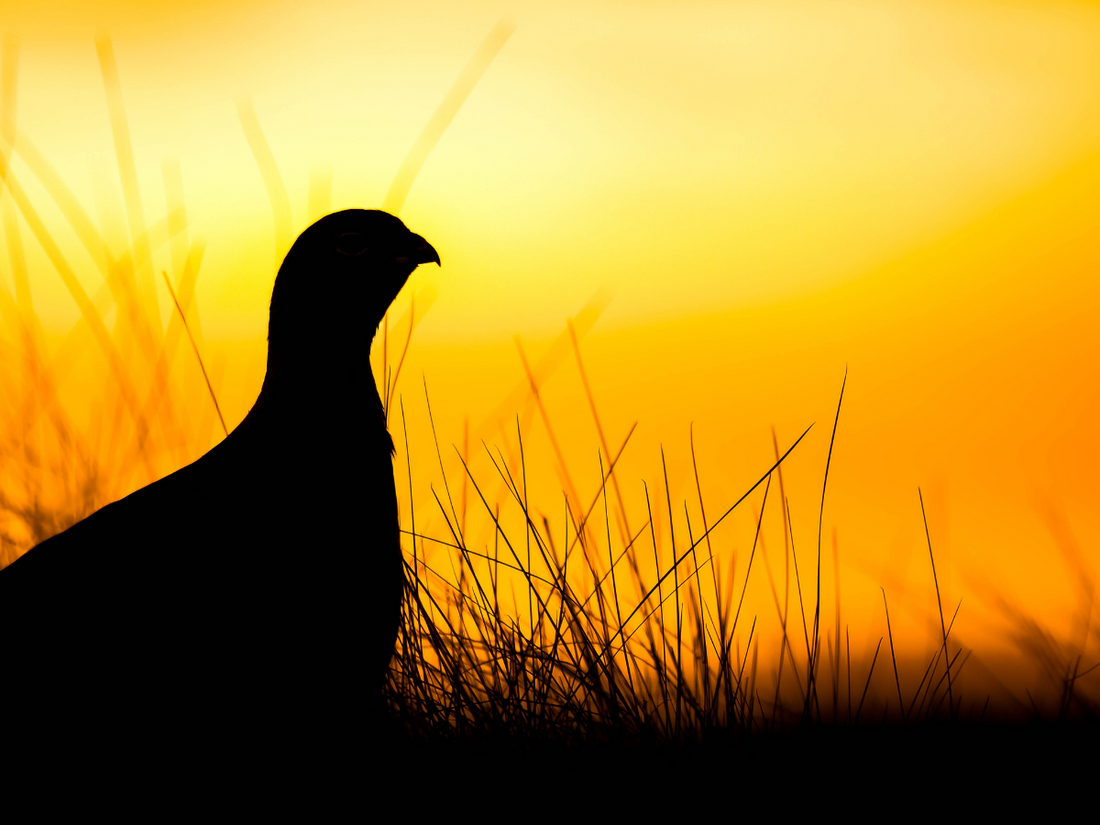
261 585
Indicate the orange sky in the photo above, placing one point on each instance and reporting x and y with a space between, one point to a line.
764 195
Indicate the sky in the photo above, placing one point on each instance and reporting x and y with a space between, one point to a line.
739 203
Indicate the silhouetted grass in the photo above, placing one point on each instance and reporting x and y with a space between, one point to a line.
591 666
590 673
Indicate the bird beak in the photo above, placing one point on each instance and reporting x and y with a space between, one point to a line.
423 252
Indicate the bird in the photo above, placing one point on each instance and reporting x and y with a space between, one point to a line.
260 587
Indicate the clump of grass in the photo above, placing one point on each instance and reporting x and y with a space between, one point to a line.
584 665
595 647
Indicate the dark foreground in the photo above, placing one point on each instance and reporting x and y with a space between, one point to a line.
935 766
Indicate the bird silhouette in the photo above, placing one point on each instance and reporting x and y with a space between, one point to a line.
261 585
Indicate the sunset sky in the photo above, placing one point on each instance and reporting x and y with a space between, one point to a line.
751 199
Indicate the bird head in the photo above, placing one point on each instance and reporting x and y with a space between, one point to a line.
338 280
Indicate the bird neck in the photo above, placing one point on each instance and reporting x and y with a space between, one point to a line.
318 392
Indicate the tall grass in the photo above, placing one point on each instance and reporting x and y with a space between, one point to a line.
614 650
107 408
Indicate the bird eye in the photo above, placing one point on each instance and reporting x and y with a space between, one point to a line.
351 243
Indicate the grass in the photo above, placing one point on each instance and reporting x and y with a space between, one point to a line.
618 622
585 664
